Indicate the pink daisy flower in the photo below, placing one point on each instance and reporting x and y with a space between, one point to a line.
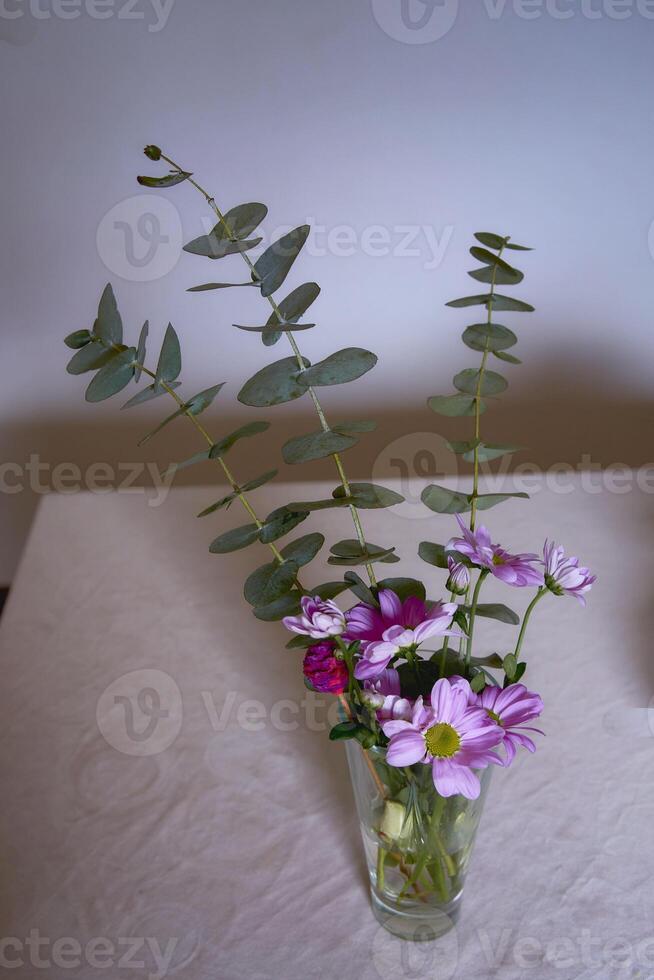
450 734
476 545
510 708
400 640
563 576
368 623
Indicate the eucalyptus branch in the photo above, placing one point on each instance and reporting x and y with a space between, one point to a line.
298 355
480 383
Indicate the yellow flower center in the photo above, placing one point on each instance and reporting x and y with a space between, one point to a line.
442 741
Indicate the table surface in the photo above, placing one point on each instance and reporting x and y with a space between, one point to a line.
170 798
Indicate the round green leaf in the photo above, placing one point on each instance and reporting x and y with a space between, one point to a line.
339 368
467 381
273 385
316 445
444 501
454 405
234 540
488 336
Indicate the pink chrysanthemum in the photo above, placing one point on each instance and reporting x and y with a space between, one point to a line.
319 619
563 576
476 545
396 628
510 708
450 734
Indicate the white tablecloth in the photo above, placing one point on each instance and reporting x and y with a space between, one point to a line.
227 845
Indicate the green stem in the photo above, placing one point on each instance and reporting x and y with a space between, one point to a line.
539 595
298 355
473 612
446 643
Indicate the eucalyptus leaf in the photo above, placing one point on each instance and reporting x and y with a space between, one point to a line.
485 451
496 276
315 445
519 248
500 612
483 255
280 582
268 331
404 588
339 368
467 381
488 336
273 385
454 406
478 683
198 403
246 431
495 300
169 365
487 500
217 285
444 501
168 181
280 522
491 240
350 552
141 350
313 505
108 326
224 502
433 554
287 605
369 496
291 308
212 247
113 377
273 266
78 339
329 590
239 222
91 358
304 550
356 585
200 457
509 358
254 484
234 540
147 394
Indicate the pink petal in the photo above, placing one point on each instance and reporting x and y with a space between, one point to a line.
391 607
413 611
405 749
451 779
391 728
441 699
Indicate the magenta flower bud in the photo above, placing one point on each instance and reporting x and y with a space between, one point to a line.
459 579
324 671
319 619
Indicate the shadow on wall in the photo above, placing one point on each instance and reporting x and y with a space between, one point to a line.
559 418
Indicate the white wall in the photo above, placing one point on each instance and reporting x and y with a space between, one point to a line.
521 120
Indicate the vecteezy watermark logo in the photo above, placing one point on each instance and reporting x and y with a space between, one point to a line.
155 12
415 21
431 951
416 460
141 712
140 238
99 953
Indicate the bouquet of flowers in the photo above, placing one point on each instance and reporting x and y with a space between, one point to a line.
424 717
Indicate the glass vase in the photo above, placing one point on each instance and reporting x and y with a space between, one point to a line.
418 844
